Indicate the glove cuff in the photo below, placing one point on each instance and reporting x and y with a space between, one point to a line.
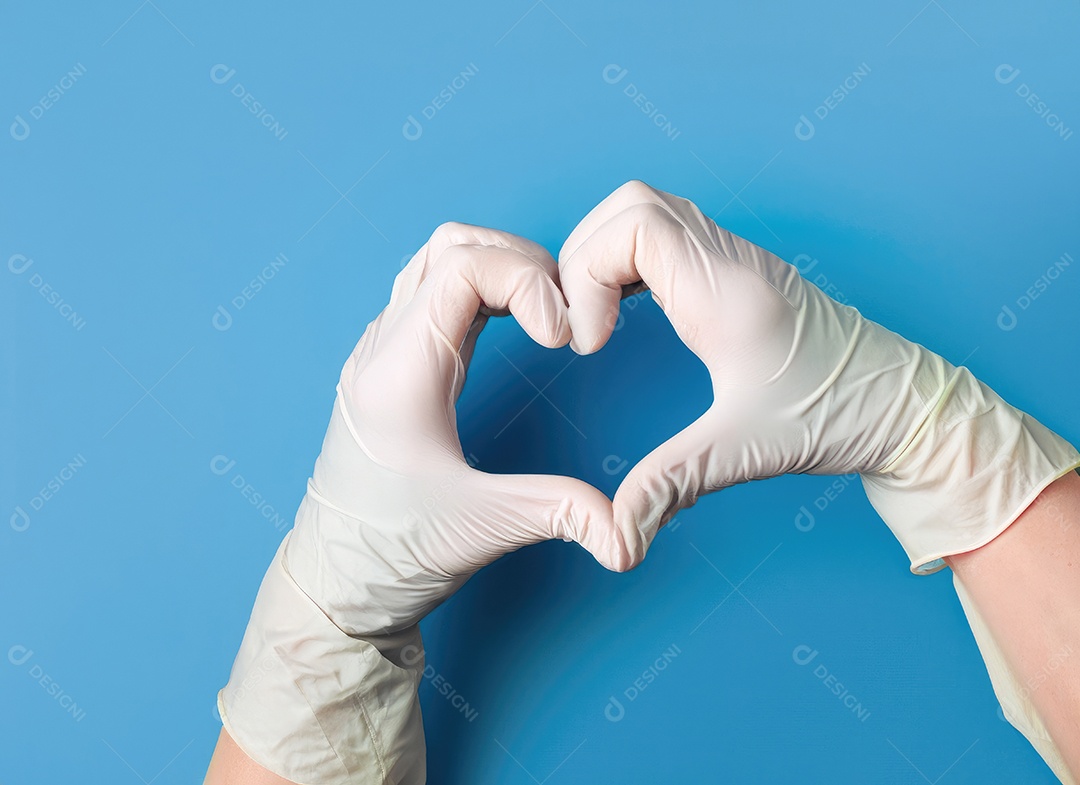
314 705
971 468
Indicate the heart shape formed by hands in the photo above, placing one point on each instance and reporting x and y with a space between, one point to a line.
395 520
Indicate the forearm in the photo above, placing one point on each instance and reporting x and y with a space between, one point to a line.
1025 588
230 765
313 704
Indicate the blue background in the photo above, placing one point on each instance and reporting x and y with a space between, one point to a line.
148 196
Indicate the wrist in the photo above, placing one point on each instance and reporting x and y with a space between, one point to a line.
970 468
310 703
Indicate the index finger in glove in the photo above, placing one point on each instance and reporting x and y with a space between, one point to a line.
425 261
469 278
417 366
637 235
454 233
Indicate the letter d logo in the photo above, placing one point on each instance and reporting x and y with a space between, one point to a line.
222 319
804 521
412 654
1006 319
614 710
804 263
20 521
19 264
613 464
412 130
22 655
1005 73
220 465
221 73
804 129
613 74
20 129
411 519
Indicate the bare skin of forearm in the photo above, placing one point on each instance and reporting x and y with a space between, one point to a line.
231 766
1026 586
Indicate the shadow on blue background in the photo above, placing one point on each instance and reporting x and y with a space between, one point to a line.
160 157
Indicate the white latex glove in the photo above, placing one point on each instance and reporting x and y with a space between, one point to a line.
394 520
801 384
804 384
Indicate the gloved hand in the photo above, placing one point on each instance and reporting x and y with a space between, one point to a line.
394 521
801 384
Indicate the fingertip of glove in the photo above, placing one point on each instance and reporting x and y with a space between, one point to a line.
586 341
560 334
575 344
586 518
615 560
624 563
625 548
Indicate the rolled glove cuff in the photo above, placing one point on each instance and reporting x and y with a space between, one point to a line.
314 705
971 468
